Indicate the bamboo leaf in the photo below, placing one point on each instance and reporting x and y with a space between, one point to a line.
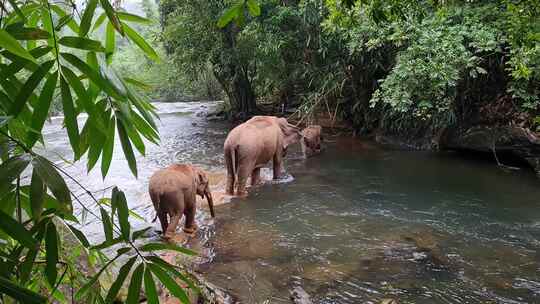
139 233
99 21
29 87
107 225
110 41
70 117
62 13
25 33
108 148
54 181
120 278
20 293
172 269
150 288
169 283
16 231
101 82
86 20
111 14
86 287
119 201
16 8
80 236
12 168
51 250
37 195
138 83
125 16
126 146
134 289
140 42
165 246
42 109
81 43
12 45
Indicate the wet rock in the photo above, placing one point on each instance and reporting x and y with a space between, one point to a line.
300 296
518 141
388 301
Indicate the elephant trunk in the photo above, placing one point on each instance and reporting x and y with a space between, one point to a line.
210 202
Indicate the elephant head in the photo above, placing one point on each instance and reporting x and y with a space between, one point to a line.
203 189
291 134
311 140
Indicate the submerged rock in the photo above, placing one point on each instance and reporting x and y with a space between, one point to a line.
300 296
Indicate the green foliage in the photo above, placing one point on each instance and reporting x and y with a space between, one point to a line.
48 52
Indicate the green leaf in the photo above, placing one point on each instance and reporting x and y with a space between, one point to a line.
80 236
30 85
63 21
134 289
86 20
150 288
51 251
81 43
169 283
37 195
62 13
99 21
107 225
139 233
82 94
13 168
138 83
111 14
165 246
54 181
16 230
25 33
101 82
70 117
125 16
12 45
126 146
119 201
140 42
86 287
120 278
28 264
254 8
231 13
20 293
42 109
16 8
146 130
110 42
108 148
172 269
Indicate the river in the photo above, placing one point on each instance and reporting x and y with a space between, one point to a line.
356 224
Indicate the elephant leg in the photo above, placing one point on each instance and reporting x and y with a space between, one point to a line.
190 226
163 220
230 184
278 165
171 230
243 174
255 176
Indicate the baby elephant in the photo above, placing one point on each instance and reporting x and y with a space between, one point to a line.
173 191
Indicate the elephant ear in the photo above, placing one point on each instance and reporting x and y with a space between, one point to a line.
291 134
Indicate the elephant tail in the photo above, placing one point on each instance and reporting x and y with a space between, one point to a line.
231 161
155 200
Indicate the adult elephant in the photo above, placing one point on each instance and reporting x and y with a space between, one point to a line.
251 145
173 192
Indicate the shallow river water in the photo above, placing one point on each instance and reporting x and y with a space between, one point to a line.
355 224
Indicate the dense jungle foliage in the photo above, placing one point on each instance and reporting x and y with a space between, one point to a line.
407 68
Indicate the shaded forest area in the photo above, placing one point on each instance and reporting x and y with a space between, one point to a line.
411 72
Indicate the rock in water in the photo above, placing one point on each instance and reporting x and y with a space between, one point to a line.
300 296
